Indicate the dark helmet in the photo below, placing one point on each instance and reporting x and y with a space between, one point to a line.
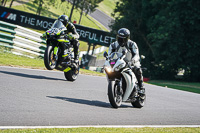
64 19
123 35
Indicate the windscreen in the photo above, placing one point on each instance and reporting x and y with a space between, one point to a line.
57 24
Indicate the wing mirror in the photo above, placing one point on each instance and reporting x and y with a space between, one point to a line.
105 54
142 57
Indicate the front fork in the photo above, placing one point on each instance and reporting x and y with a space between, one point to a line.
119 89
56 49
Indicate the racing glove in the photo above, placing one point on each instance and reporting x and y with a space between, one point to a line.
43 35
70 36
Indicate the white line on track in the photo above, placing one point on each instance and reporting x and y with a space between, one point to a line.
103 126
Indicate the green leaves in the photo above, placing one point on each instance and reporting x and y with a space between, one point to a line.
167 33
43 5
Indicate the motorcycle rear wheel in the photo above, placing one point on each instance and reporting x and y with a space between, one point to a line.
71 75
139 103
113 96
49 61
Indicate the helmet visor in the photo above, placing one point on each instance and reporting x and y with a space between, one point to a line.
122 40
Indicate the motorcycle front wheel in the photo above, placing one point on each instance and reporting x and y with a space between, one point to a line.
49 60
114 95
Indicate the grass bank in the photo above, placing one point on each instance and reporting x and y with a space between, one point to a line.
185 86
105 130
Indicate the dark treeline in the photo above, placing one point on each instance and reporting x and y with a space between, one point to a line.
167 33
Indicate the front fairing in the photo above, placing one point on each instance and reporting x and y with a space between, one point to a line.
115 62
56 30
113 65
123 73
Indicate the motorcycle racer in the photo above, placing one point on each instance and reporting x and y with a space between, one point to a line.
132 56
72 35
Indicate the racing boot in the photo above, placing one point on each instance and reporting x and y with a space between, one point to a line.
76 61
139 77
141 86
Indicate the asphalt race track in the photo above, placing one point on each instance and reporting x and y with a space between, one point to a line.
44 98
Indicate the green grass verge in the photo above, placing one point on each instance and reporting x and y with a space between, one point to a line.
88 72
83 46
9 59
105 130
185 86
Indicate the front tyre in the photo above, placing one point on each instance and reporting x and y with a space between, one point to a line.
49 60
114 95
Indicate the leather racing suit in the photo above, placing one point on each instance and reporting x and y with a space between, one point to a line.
132 57
73 36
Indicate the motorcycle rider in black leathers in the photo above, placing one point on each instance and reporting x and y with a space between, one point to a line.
72 35
132 56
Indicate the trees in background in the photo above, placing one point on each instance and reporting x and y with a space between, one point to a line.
85 6
74 4
11 3
3 2
167 33
42 5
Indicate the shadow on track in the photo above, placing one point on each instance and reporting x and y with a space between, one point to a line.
86 102
29 76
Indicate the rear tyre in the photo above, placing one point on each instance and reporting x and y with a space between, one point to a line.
71 75
114 96
139 103
49 60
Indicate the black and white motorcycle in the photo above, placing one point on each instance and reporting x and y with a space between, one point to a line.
122 82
